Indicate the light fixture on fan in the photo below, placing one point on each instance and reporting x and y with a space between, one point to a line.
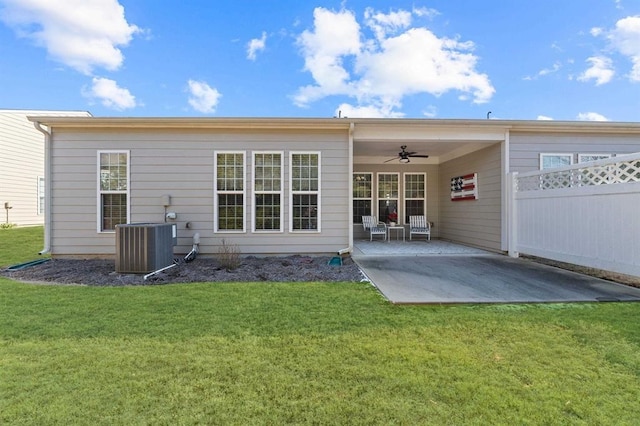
403 156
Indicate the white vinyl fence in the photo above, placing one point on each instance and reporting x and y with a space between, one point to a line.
587 214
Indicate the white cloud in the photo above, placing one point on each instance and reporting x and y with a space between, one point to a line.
110 95
430 112
256 45
591 116
383 24
367 111
601 70
203 98
625 38
82 34
544 118
397 61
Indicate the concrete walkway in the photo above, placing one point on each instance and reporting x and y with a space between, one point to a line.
458 274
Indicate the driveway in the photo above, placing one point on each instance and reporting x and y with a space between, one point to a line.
484 278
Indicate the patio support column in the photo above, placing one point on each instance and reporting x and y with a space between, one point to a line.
350 187
512 209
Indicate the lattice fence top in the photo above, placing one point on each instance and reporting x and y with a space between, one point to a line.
602 172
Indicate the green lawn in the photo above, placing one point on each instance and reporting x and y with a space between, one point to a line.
308 354
19 245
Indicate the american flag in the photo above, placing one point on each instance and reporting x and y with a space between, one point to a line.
464 187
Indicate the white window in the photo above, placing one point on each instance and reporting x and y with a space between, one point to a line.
415 195
113 189
40 195
388 195
362 195
550 161
267 190
229 198
583 158
304 183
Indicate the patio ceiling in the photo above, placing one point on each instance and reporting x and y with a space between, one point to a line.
377 144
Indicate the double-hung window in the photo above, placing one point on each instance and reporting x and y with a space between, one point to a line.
229 190
414 194
267 188
304 184
362 195
40 195
388 194
113 189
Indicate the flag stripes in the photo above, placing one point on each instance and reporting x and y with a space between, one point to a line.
464 187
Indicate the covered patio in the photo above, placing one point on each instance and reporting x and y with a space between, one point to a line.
442 272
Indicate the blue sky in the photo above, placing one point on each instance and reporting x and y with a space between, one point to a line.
544 59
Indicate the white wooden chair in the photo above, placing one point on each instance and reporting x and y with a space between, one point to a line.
419 225
371 224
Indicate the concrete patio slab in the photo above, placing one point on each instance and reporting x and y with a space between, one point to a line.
483 278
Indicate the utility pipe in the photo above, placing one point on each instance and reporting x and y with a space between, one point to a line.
47 186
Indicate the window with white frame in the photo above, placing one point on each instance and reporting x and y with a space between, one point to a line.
267 188
229 190
362 195
40 195
583 158
304 183
113 189
550 161
388 194
415 191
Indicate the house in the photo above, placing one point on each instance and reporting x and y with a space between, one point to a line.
297 185
22 179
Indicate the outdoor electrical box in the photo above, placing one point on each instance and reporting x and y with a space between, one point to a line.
144 247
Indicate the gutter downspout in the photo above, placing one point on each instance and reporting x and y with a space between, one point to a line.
47 186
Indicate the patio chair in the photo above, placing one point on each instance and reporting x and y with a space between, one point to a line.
419 225
371 224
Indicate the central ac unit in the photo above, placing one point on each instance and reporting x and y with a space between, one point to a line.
144 247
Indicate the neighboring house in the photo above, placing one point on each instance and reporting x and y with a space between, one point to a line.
22 177
297 185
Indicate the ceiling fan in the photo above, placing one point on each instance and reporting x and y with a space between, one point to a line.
404 155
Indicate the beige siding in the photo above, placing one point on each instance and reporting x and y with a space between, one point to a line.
181 164
525 148
473 222
21 164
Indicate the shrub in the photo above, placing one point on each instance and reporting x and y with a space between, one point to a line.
229 256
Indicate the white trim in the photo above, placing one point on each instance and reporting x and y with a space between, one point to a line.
555 154
254 193
99 191
318 193
215 193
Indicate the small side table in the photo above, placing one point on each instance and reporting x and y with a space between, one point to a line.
397 229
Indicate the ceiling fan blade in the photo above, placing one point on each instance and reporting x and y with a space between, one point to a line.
391 159
418 156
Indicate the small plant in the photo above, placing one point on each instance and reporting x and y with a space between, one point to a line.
229 256
7 225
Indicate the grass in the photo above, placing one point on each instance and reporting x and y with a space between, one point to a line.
19 245
317 353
